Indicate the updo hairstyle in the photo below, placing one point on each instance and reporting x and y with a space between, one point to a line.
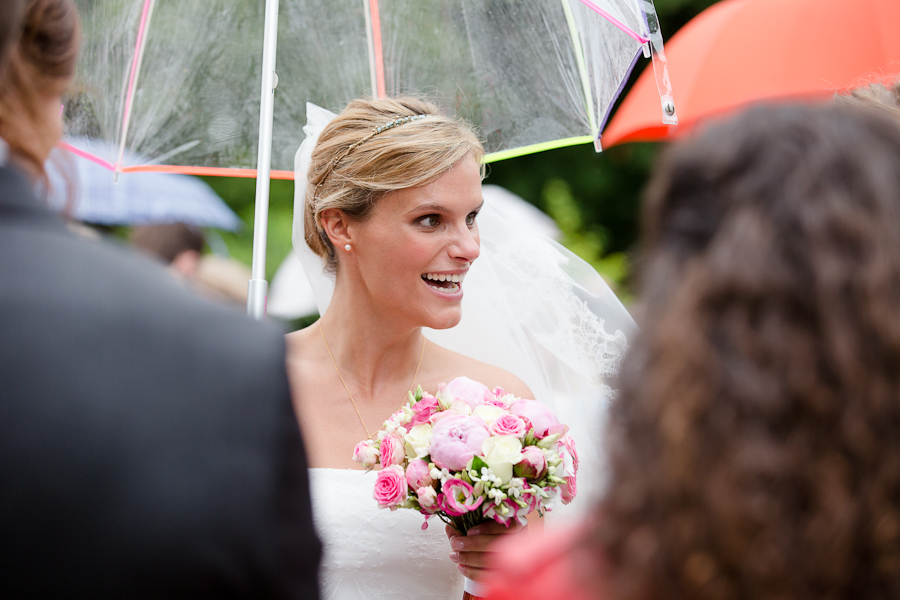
41 64
410 154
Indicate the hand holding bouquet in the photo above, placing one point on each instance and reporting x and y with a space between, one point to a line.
470 455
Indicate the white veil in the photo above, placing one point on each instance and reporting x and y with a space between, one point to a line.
530 307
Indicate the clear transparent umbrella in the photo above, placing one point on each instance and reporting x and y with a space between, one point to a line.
179 82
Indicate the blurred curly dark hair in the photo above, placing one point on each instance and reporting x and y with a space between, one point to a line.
755 446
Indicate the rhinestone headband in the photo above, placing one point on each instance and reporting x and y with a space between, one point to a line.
375 131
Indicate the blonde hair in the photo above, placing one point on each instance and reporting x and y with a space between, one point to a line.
351 169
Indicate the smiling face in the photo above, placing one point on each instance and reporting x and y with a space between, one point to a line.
411 255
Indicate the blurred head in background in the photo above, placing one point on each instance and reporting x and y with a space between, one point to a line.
754 446
10 22
881 95
176 244
38 71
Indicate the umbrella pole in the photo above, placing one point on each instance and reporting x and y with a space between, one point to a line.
258 287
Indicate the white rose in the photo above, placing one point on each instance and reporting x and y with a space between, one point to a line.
501 453
418 441
427 497
488 413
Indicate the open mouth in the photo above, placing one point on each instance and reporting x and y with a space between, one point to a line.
449 284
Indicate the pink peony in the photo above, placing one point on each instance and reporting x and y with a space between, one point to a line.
422 410
506 511
392 450
533 464
540 417
418 474
509 425
469 391
458 498
390 487
457 408
456 440
366 454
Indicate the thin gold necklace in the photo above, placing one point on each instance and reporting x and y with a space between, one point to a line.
353 402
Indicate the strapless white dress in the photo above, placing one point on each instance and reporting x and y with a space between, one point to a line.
375 554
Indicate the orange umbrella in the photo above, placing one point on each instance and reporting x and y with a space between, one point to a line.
741 51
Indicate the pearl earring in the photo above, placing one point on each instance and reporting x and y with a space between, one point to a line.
347 247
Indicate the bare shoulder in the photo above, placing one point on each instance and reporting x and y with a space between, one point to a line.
299 343
450 365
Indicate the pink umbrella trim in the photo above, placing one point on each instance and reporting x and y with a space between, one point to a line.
639 38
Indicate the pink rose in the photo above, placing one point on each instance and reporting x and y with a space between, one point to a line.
418 474
422 410
392 450
533 464
455 440
458 498
390 487
506 511
509 425
366 454
470 392
427 498
540 417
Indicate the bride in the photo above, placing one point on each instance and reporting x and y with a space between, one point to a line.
388 226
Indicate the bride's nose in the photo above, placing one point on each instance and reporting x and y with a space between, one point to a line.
466 245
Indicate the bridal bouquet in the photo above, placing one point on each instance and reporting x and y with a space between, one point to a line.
470 454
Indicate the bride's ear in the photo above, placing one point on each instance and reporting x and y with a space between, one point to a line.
336 226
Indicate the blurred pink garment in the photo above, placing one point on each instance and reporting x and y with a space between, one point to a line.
549 566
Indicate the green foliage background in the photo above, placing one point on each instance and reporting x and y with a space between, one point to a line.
595 198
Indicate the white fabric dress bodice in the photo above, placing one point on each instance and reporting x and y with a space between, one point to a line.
375 554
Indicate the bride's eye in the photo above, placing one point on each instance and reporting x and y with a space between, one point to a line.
470 218
429 221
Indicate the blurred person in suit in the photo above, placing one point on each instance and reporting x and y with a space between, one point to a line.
148 445
754 445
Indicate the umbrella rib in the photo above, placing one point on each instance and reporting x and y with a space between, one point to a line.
582 68
376 54
139 46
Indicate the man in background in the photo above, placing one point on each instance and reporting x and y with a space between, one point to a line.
175 244
148 445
